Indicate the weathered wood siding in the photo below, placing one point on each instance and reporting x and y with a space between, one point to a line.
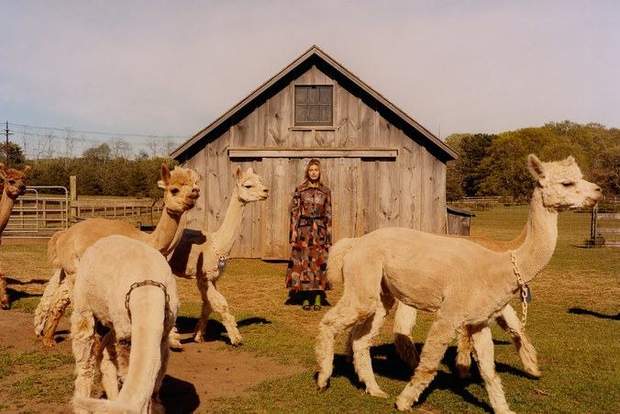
366 193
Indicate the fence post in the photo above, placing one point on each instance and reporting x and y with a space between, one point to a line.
73 199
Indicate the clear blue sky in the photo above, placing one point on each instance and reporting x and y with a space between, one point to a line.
163 67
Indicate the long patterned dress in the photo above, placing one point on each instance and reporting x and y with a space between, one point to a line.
311 220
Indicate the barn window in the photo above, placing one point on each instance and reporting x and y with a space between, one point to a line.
313 105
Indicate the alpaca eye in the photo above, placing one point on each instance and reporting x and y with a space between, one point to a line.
174 191
12 182
568 183
247 185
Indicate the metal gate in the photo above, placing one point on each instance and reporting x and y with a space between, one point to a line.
39 213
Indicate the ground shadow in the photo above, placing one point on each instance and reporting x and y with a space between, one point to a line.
15 295
386 363
580 311
215 329
178 396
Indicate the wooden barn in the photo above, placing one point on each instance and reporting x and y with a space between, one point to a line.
384 168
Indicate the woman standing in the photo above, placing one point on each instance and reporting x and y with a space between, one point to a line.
310 238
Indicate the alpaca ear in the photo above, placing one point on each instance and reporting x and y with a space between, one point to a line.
249 171
238 173
2 171
571 160
27 169
165 176
536 167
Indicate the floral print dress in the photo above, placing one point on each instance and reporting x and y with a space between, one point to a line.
311 221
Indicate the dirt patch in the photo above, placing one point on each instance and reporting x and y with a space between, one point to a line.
201 372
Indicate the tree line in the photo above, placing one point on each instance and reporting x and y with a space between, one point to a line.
100 171
488 164
494 164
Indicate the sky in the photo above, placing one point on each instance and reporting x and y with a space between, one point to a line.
171 67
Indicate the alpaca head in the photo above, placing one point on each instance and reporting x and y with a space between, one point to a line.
180 187
250 187
562 184
13 181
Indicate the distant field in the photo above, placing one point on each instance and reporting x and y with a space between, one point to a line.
573 322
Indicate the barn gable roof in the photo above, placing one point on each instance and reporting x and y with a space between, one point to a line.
348 80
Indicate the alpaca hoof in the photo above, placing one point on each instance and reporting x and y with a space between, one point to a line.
175 345
377 392
322 383
402 405
198 338
534 372
5 306
235 339
48 342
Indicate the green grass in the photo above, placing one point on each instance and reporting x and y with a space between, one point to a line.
571 323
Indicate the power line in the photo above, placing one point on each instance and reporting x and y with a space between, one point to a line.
113 134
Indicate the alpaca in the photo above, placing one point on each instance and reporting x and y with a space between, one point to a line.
65 248
464 283
13 185
204 257
507 319
126 286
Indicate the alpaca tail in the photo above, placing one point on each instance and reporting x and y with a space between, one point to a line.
52 248
336 258
148 307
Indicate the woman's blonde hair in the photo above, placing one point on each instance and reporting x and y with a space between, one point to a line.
312 162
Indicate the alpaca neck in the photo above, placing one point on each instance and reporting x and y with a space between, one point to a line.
164 234
541 235
6 206
228 232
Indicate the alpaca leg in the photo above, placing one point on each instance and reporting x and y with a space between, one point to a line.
341 317
107 365
510 322
439 337
220 305
84 352
464 349
4 297
362 336
483 347
174 339
201 327
62 299
156 405
42 311
404 322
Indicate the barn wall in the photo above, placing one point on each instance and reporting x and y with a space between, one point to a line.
366 194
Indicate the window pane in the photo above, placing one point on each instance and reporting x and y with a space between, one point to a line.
313 95
301 94
313 113
326 114
301 113
325 93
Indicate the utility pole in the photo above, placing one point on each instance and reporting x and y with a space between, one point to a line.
7 132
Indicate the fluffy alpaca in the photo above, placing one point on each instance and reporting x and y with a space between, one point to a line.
204 256
65 248
13 185
464 283
126 286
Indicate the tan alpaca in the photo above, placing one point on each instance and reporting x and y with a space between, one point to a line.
203 257
13 185
464 283
66 248
126 286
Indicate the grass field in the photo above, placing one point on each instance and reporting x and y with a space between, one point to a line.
573 322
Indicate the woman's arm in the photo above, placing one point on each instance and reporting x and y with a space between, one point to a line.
295 214
328 216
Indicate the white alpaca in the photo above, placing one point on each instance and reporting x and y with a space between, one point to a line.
464 283
126 286
204 256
